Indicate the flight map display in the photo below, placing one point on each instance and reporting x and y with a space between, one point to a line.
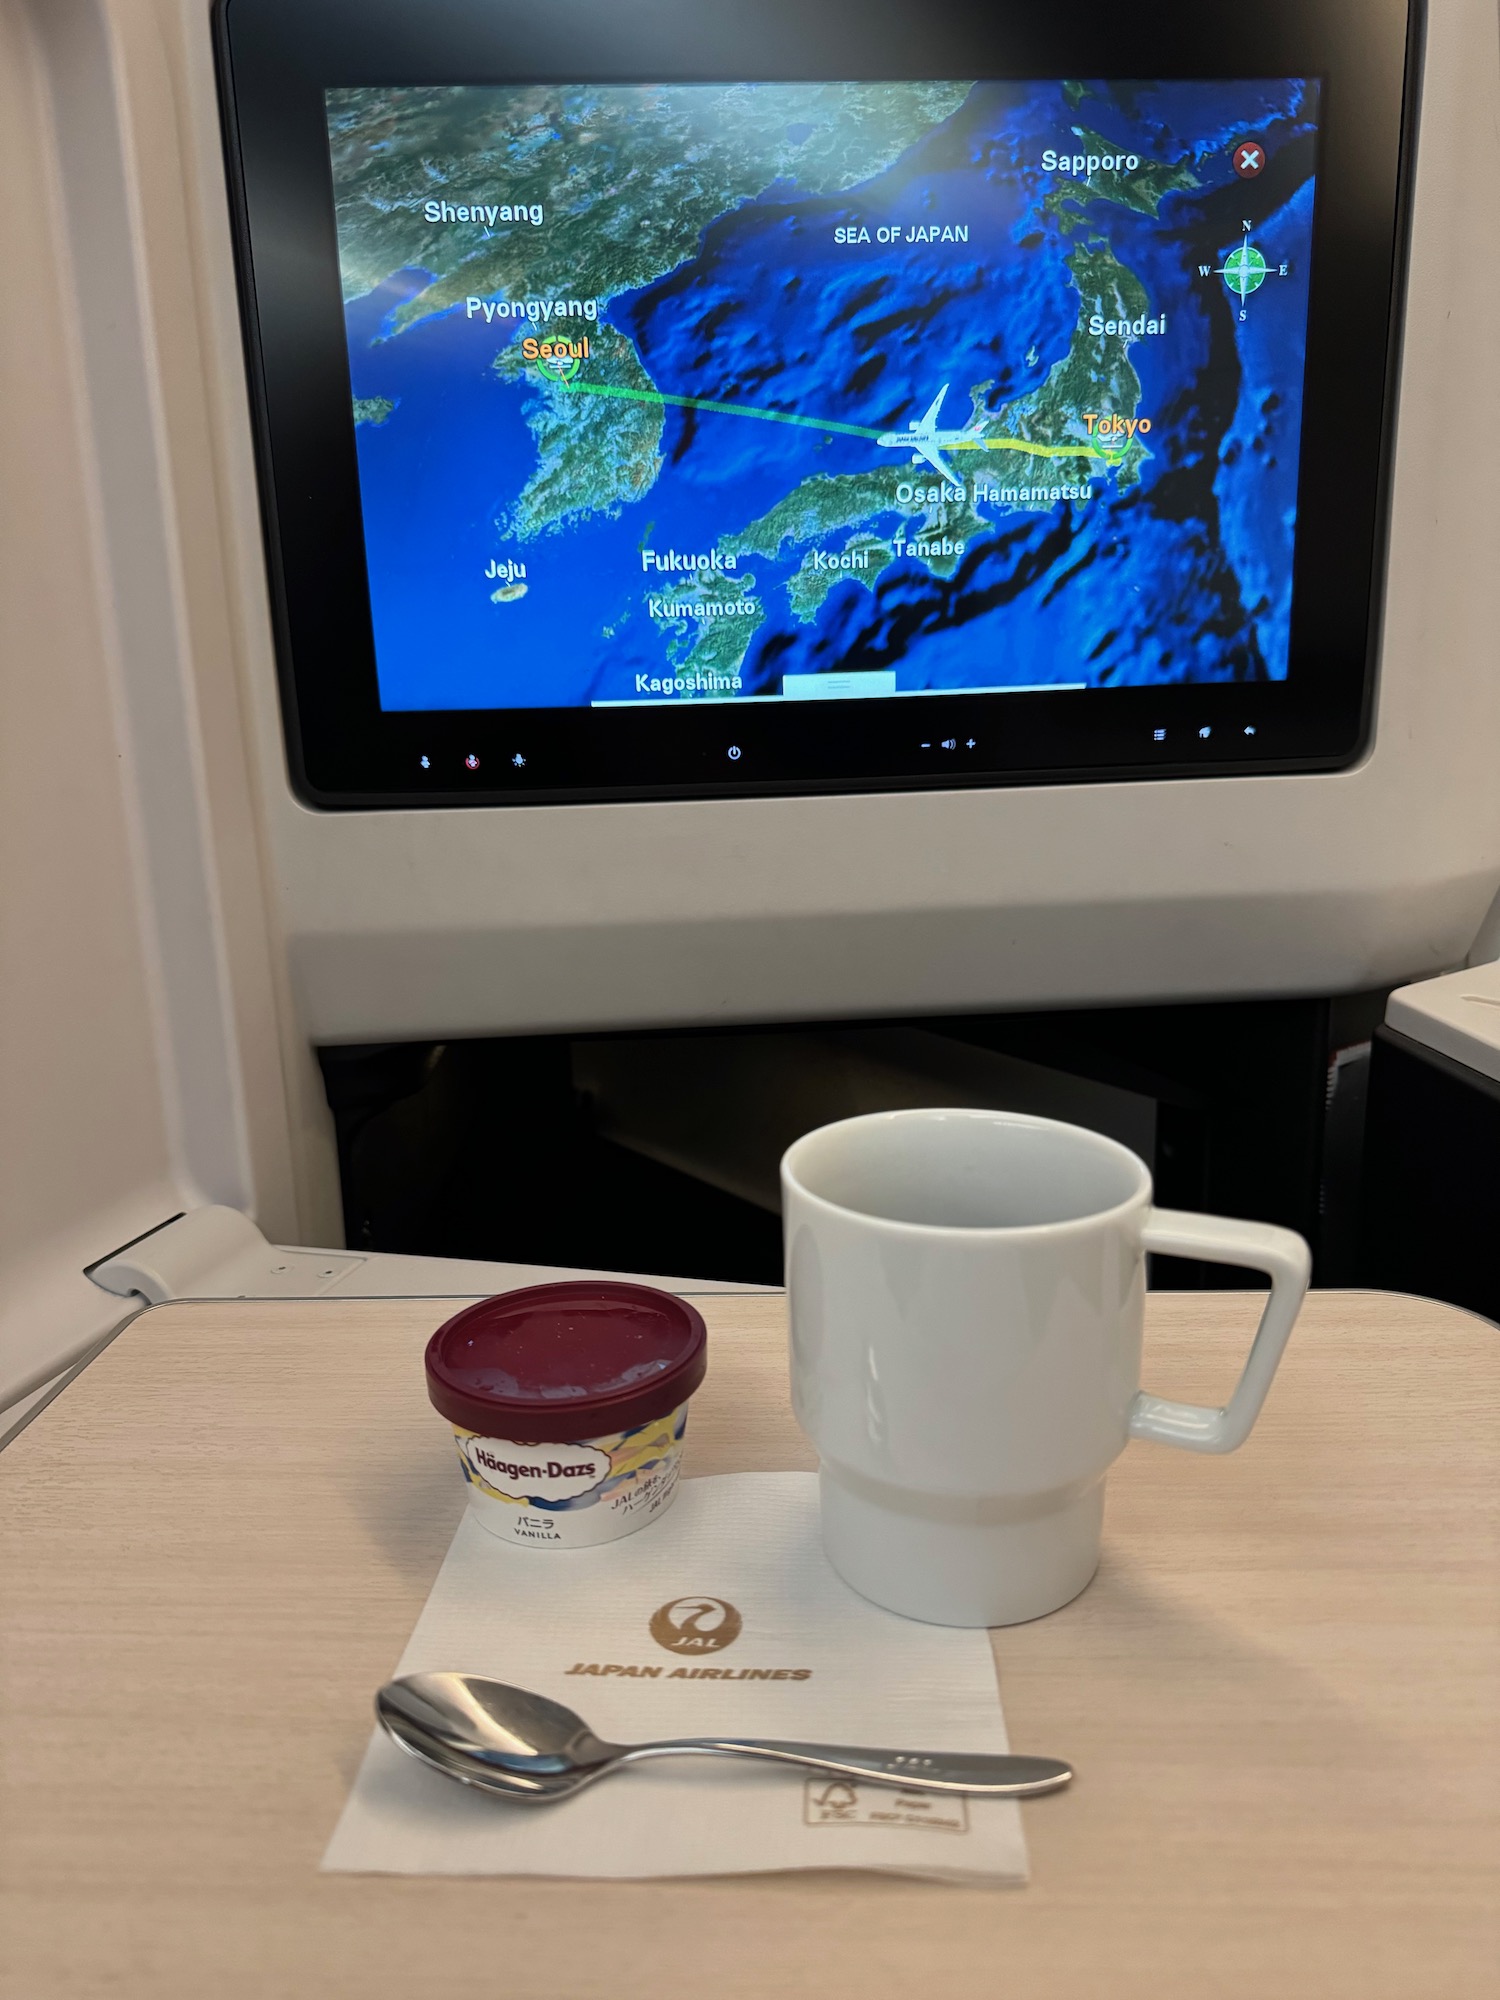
757 392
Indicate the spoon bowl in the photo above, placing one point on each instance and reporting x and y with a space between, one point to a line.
499 1738
523 1747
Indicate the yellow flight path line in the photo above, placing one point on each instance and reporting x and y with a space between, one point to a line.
1037 450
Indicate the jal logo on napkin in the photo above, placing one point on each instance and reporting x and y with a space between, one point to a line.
693 1625
696 1625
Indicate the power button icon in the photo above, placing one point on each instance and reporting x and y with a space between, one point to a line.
734 753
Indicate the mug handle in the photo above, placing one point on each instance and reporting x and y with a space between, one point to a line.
1287 1262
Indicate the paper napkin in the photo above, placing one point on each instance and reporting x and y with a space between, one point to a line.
722 1618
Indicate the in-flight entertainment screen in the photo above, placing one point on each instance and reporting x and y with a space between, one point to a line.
727 397
761 393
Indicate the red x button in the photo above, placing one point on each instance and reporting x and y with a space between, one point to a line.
1249 158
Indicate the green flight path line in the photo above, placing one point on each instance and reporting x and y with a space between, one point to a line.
724 409
576 388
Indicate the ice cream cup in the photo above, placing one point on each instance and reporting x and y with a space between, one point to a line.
568 1405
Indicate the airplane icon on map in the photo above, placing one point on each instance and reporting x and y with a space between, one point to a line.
925 440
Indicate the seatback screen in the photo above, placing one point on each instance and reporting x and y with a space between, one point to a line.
769 392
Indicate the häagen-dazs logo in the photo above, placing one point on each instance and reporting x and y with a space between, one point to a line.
696 1625
537 1471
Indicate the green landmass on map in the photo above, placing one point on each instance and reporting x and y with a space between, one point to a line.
1094 375
373 409
594 454
810 585
819 507
1143 188
710 644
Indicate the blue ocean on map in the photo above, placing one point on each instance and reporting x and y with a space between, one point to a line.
1181 574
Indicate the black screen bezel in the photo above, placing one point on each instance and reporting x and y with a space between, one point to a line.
276 57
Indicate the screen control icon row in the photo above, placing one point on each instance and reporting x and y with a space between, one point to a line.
471 761
1205 732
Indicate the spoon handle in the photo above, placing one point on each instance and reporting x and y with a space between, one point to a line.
917 1770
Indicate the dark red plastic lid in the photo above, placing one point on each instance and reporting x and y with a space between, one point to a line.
553 1363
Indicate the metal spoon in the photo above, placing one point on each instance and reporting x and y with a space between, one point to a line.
524 1747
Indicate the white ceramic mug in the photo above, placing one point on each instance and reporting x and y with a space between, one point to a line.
967 1291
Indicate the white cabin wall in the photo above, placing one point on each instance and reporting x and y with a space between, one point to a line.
172 164
142 1066
89 1154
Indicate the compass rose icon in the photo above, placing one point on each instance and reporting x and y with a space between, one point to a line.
1244 270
